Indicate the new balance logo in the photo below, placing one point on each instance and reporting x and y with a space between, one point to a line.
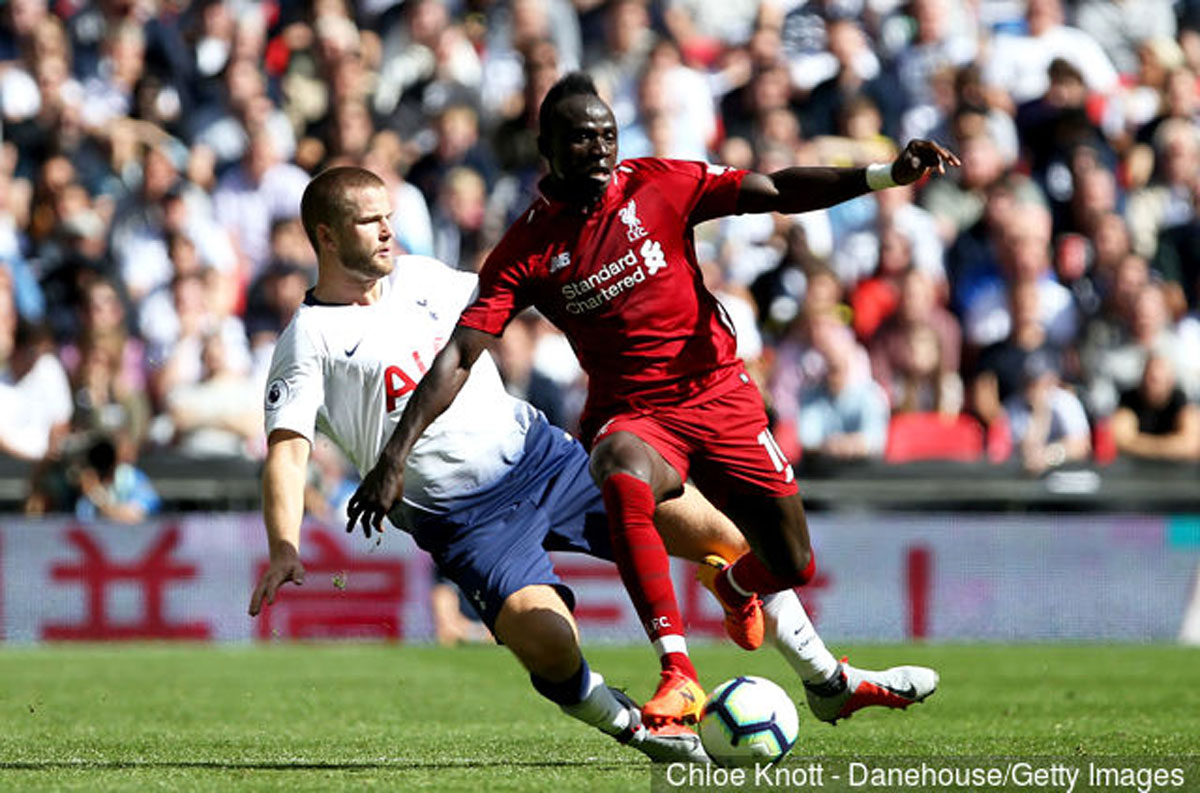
560 262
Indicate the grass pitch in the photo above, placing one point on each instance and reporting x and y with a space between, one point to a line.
325 717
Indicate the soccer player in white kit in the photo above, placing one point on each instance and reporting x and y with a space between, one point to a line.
491 485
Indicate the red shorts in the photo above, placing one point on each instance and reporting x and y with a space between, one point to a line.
723 443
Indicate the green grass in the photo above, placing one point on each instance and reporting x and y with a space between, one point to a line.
324 717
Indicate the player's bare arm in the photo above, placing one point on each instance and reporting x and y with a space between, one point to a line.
803 189
384 483
283 512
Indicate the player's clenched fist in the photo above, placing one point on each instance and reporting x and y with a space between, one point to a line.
284 566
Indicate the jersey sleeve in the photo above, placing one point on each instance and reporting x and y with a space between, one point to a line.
295 385
504 285
707 191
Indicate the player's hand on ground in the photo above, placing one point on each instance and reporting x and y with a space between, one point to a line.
284 566
919 158
374 497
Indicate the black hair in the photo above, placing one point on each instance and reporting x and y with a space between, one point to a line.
569 85
102 457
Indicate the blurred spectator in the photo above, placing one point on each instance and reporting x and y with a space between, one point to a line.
514 356
178 339
35 394
1054 127
1169 200
1048 424
859 75
619 59
511 28
1001 366
675 116
458 145
936 48
221 414
800 362
113 490
860 247
426 61
915 352
1018 64
1115 363
1119 26
272 302
459 228
1155 421
874 299
108 92
958 202
704 28
845 415
1025 258
253 195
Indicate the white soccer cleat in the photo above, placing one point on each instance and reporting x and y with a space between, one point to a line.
897 687
668 743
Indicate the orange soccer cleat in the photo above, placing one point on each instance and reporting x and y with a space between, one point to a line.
678 700
744 623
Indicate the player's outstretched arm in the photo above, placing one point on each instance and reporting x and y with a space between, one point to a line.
283 511
384 483
802 189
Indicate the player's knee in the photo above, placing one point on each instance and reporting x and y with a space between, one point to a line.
619 453
805 566
795 567
538 629
552 651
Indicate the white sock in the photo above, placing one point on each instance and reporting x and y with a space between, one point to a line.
794 636
600 708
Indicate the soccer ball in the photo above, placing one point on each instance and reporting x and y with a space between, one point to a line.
748 720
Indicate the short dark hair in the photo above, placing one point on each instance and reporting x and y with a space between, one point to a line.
102 457
569 85
325 201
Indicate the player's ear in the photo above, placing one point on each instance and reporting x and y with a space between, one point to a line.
324 236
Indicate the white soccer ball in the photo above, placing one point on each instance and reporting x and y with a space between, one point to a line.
748 720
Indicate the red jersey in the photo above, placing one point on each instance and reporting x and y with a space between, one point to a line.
620 279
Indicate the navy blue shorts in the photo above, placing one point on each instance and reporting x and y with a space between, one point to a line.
496 542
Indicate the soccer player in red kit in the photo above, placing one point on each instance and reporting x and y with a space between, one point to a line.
607 254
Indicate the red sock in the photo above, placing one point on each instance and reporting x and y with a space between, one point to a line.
645 571
752 575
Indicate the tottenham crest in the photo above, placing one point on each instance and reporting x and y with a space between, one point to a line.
633 226
278 393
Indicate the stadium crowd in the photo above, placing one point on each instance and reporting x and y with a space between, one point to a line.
1041 304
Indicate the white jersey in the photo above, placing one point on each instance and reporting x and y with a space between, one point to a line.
349 370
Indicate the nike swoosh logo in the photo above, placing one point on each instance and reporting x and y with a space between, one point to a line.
689 696
907 693
350 352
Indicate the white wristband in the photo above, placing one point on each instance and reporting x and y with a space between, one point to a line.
879 176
